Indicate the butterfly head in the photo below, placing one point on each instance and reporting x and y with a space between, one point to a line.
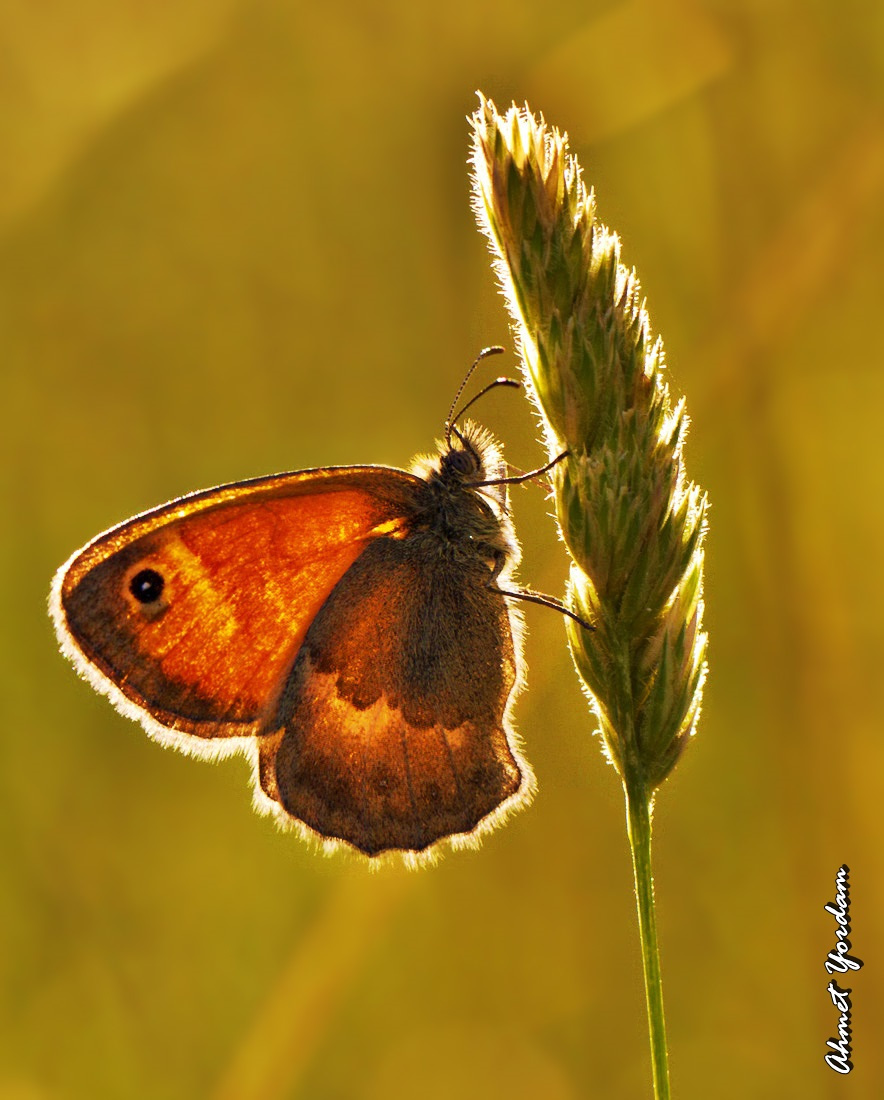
467 461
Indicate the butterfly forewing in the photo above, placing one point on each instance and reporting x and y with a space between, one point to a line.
236 576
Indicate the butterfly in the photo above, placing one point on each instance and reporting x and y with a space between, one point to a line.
348 628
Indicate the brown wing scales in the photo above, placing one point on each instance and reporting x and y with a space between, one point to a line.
394 714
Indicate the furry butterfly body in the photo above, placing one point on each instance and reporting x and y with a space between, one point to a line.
342 626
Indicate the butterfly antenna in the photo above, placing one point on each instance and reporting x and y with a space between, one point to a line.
449 422
502 381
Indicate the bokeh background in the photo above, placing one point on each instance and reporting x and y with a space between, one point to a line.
235 238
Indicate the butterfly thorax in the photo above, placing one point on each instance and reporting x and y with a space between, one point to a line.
462 515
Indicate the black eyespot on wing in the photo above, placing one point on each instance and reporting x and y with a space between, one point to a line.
147 586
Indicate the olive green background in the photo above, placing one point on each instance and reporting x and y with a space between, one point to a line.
235 238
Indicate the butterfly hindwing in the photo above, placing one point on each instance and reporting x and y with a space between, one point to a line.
391 731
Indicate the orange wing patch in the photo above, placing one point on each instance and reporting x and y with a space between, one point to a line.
243 591
242 579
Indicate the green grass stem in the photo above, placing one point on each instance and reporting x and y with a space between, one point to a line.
632 523
638 818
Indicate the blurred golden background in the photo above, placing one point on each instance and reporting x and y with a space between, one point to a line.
235 238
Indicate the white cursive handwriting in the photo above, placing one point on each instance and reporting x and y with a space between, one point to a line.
840 961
